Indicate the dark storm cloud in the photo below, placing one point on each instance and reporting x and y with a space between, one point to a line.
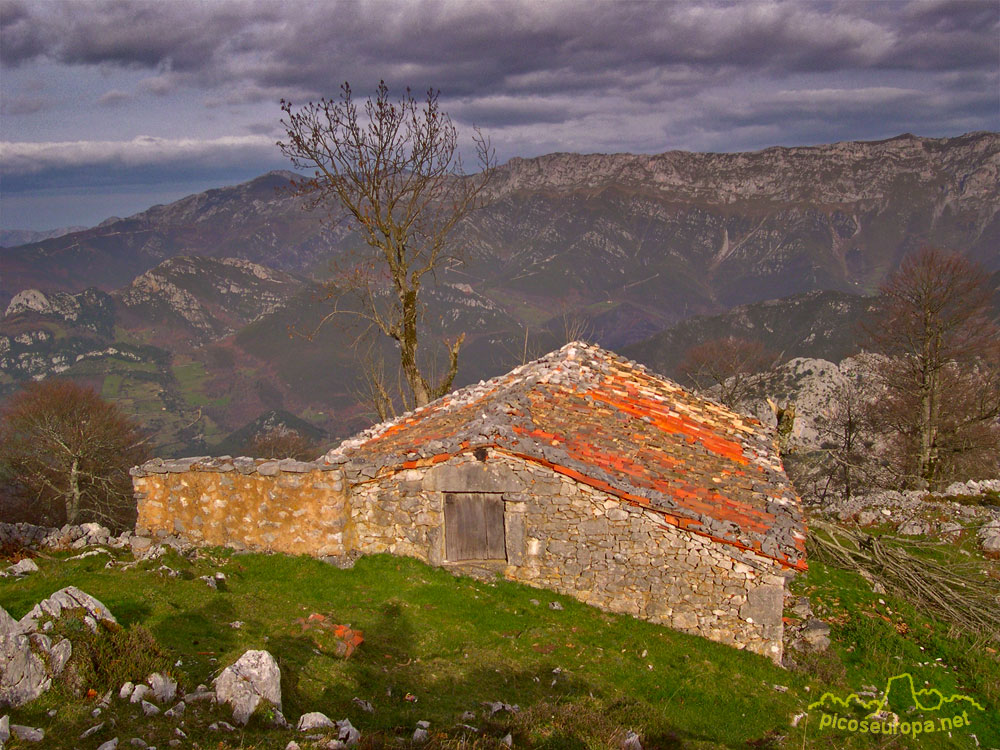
21 38
182 35
499 47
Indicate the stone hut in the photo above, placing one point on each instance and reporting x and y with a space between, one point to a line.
580 472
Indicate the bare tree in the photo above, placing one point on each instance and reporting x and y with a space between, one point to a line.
396 169
281 442
847 434
941 373
732 364
69 451
575 327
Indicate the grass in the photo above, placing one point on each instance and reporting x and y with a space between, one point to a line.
191 378
582 677
112 386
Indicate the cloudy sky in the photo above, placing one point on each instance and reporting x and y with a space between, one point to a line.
109 107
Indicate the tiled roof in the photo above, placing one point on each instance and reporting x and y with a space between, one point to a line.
611 423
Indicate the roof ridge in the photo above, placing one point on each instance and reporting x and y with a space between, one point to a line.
536 367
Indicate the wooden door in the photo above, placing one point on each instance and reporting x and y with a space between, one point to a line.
473 526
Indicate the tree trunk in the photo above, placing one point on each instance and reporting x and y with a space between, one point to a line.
930 408
408 349
73 497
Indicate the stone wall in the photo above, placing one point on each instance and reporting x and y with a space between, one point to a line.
568 537
282 506
560 534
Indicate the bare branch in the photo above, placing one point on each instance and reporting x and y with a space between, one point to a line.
395 169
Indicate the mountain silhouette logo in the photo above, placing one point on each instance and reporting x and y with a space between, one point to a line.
900 696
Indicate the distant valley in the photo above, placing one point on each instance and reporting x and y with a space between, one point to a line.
199 316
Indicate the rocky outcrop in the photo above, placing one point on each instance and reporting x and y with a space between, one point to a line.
947 515
252 679
70 536
207 297
30 659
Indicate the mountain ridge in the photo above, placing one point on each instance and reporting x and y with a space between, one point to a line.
739 226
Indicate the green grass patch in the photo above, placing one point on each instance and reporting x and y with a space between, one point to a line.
112 386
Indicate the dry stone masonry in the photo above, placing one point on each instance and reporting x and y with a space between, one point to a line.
581 473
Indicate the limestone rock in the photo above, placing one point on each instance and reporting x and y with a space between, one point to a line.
27 734
22 568
869 517
314 720
140 545
364 705
109 745
23 676
199 695
951 531
252 678
68 598
59 656
164 689
349 735
420 734
8 625
496 707
631 741
816 635
92 731
802 607
915 527
4 729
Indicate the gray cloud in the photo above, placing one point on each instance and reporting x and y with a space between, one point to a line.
559 75
23 105
113 98
500 46
22 158
483 54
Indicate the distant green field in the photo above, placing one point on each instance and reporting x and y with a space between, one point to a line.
582 678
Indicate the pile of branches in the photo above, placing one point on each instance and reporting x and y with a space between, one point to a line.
969 603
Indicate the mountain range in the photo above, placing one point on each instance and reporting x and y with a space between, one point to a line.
202 314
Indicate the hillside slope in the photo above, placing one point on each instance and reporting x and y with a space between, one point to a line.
482 659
